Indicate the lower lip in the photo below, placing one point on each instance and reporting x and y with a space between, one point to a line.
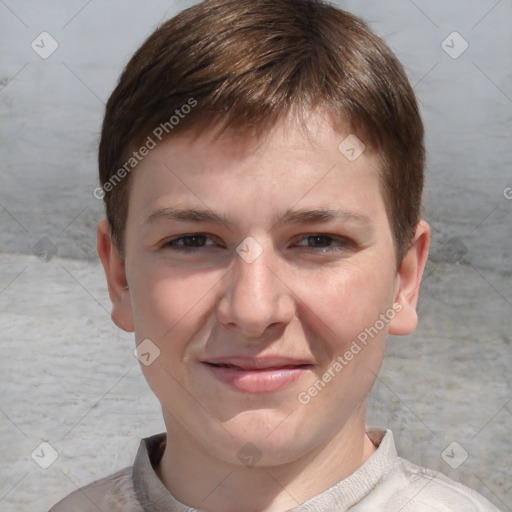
257 381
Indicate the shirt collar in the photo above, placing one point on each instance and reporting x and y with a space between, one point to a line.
354 488
154 496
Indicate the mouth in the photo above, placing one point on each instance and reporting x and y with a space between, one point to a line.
263 369
257 375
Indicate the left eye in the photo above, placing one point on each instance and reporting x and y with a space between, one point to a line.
324 242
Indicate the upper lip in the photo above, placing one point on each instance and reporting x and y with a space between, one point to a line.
257 363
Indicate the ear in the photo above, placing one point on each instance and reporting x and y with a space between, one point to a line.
114 268
408 281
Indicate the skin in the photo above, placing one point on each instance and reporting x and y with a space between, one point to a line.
304 298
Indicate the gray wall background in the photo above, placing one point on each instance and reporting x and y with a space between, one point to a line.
69 377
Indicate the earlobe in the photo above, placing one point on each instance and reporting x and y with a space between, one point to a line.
114 268
409 277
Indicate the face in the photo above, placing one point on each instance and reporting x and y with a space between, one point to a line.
264 275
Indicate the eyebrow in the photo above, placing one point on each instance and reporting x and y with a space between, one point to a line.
304 216
322 215
186 215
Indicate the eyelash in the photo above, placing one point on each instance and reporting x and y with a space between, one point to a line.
174 243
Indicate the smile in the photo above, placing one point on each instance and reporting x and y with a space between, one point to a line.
256 378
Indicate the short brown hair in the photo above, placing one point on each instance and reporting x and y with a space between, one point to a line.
247 63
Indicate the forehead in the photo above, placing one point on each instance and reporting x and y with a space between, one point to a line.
295 162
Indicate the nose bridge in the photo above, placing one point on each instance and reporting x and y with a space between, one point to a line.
256 298
256 280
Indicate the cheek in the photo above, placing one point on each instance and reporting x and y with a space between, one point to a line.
342 305
168 303
351 350
168 308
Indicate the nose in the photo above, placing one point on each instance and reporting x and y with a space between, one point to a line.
257 301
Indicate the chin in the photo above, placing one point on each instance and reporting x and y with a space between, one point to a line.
272 439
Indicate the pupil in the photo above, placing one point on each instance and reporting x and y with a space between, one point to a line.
192 240
319 240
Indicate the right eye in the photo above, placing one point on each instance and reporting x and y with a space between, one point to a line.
189 243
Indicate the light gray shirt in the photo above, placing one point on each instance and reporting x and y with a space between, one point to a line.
384 483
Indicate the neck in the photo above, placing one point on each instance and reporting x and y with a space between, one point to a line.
208 483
